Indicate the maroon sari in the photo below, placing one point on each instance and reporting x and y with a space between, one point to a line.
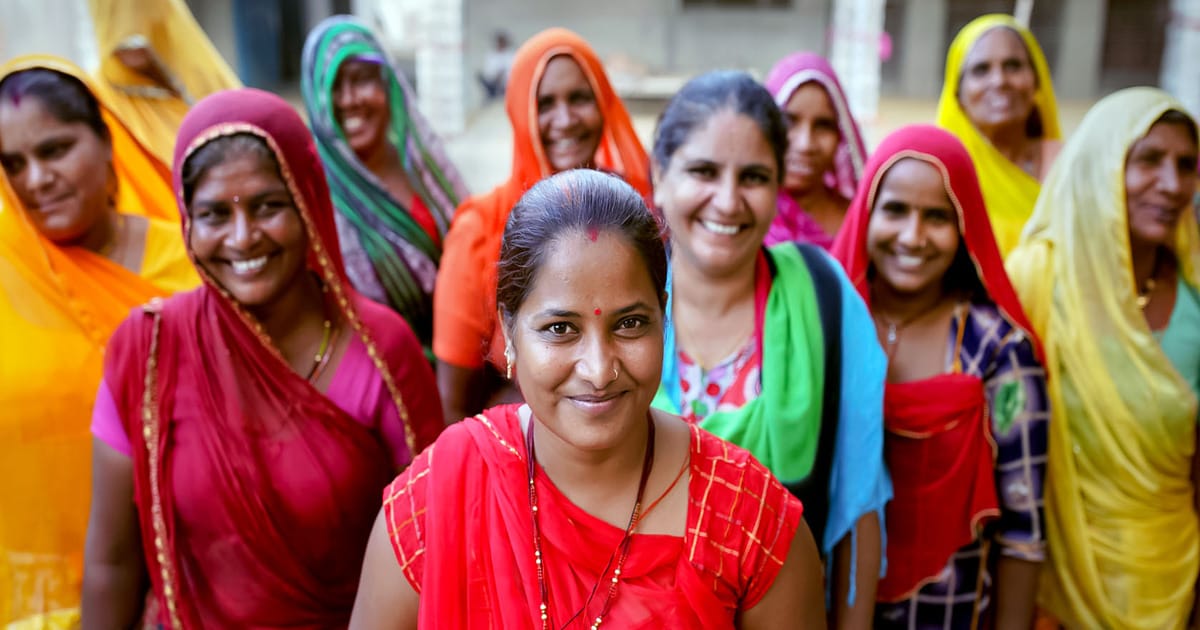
256 493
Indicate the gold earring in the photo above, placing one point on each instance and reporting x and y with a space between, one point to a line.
508 369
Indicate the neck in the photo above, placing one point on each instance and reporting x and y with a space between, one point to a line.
1144 257
696 292
596 474
383 160
904 307
300 309
101 239
1010 140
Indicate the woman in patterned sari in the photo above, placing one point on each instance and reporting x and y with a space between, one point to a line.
244 430
393 187
87 231
1108 270
965 405
584 506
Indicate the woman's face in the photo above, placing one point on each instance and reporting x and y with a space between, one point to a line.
246 231
1160 180
60 171
587 342
718 194
360 105
912 236
569 119
998 81
813 138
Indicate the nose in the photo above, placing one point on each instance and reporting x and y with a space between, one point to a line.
725 194
911 231
560 115
1169 180
801 137
343 94
243 233
596 361
38 175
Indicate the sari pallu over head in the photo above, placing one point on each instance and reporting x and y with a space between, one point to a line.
219 489
473 245
1120 522
939 445
58 307
1010 192
389 253
792 223
181 51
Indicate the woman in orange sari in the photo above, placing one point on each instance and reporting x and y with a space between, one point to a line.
564 115
584 507
83 238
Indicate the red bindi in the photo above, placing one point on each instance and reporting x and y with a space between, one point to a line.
593 234
596 312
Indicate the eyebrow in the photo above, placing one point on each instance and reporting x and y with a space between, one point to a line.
211 203
556 312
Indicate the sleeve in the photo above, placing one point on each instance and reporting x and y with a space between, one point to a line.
106 422
404 511
777 516
462 327
1015 387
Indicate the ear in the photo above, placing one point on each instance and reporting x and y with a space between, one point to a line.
502 321
656 176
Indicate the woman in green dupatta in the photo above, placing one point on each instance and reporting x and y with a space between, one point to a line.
394 188
771 349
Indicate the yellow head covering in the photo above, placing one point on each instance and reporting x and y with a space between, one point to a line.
1008 191
183 52
58 306
1122 529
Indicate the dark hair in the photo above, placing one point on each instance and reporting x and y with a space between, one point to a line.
578 200
64 96
1176 117
713 92
219 150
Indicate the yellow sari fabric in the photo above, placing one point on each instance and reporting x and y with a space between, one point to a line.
58 306
1123 538
1008 191
184 55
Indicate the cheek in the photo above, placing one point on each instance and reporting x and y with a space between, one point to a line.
591 118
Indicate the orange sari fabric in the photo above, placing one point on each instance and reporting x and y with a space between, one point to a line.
58 306
461 526
464 301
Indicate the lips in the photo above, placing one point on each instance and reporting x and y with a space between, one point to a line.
248 267
596 403
722 229
354 124
48 205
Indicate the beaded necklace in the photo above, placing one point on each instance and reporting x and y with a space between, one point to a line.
622 547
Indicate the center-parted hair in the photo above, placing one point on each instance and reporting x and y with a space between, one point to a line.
220 150
579 200
62 95
713 92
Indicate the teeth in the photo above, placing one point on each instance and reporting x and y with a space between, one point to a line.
908 261
721 228
353 123
243 267
564 145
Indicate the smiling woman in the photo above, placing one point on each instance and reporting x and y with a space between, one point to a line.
564 115
274 381
585 504
82 241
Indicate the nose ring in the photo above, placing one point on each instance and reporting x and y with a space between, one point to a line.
616 372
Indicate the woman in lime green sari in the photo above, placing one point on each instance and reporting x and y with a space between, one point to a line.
1107 271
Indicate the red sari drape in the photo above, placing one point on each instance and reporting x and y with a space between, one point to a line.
255 493
460 523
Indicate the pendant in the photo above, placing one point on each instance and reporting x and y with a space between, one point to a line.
891 334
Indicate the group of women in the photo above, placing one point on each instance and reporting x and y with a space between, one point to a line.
754 378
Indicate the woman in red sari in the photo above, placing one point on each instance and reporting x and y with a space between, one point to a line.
965 406
244 430
584 507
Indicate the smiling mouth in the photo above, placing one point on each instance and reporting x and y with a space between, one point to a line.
724 229
248 267
354 124
51 203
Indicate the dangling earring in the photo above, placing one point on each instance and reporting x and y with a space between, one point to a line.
508 360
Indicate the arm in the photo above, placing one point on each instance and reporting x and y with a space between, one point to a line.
385 598
867 558
1016 593
462 389
114 572
796 598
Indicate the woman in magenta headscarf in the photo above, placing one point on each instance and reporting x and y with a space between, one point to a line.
825 152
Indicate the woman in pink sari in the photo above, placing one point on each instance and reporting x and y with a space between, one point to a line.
244 430
825 153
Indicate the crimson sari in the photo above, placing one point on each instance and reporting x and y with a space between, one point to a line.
460 523
255 492
939 447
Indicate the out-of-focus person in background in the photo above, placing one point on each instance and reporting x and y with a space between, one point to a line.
999 100
564 115
394 188
825 153
88 231
496 65
1109 272
157 62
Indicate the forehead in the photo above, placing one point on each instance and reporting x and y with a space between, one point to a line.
562 73
1168 136
809 97
357 67
728 136
1000 42
578 273
915 181
24 125
239 174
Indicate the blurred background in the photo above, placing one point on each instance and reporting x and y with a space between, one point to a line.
890 53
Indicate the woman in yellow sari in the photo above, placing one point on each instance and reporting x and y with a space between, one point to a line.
84 238
998 99
157 62
1107 271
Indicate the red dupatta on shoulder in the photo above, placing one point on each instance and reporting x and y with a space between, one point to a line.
939 447
256 493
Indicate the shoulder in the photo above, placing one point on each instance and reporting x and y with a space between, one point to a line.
165 262
394 337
